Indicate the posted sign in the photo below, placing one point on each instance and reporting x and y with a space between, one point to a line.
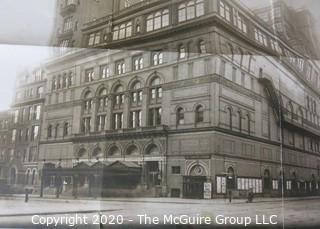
207 190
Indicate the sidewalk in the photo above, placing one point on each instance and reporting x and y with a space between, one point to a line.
159 200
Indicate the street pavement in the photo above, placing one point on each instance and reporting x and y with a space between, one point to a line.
302 212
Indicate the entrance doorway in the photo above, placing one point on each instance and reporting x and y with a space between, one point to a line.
193 187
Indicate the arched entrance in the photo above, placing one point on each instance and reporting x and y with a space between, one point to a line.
193 183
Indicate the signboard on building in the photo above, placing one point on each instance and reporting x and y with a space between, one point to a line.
207 190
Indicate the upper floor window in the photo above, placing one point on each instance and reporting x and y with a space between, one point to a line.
156 89
275 45
64 44
122 31
158 20
89 75
49 134
67 24
118 97
260 37
104 71
137 63
182 52
157 58
66 129
94 39
199 114
180 116
238 20
39 91
202 47
224 10
191 10
120 67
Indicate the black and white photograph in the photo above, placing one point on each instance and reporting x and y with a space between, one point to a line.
159 114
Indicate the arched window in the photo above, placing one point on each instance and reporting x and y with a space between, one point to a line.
157 20
238 56
97 153
180 116
182 52
249 123
56 131
103 100
82 153
88 102
202 47
240 120
118 102
199 114
136 93
190 10
49 131
66 129
290 110
155 97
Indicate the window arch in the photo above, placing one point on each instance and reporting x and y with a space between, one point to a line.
180 116
199 114
132 150
152 149
81 153
114 151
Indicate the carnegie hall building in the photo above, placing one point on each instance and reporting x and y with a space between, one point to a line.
179 98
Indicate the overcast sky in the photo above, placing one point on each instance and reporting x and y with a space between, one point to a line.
30 23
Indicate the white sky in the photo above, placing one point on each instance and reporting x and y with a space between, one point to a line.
30 22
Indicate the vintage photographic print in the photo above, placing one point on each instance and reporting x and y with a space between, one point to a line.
159 114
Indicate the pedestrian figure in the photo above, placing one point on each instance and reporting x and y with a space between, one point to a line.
230 196
26 199
250 196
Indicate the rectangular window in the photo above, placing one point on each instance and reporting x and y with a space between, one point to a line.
260 37
175 170
238 20
288 185
224 10
104 71
89 75
137 62
118 121
94 39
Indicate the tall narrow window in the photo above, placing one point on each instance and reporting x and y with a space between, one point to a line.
199 114
182 52
66 129
224 10
180 116
202 47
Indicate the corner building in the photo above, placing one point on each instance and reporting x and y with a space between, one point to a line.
170 95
